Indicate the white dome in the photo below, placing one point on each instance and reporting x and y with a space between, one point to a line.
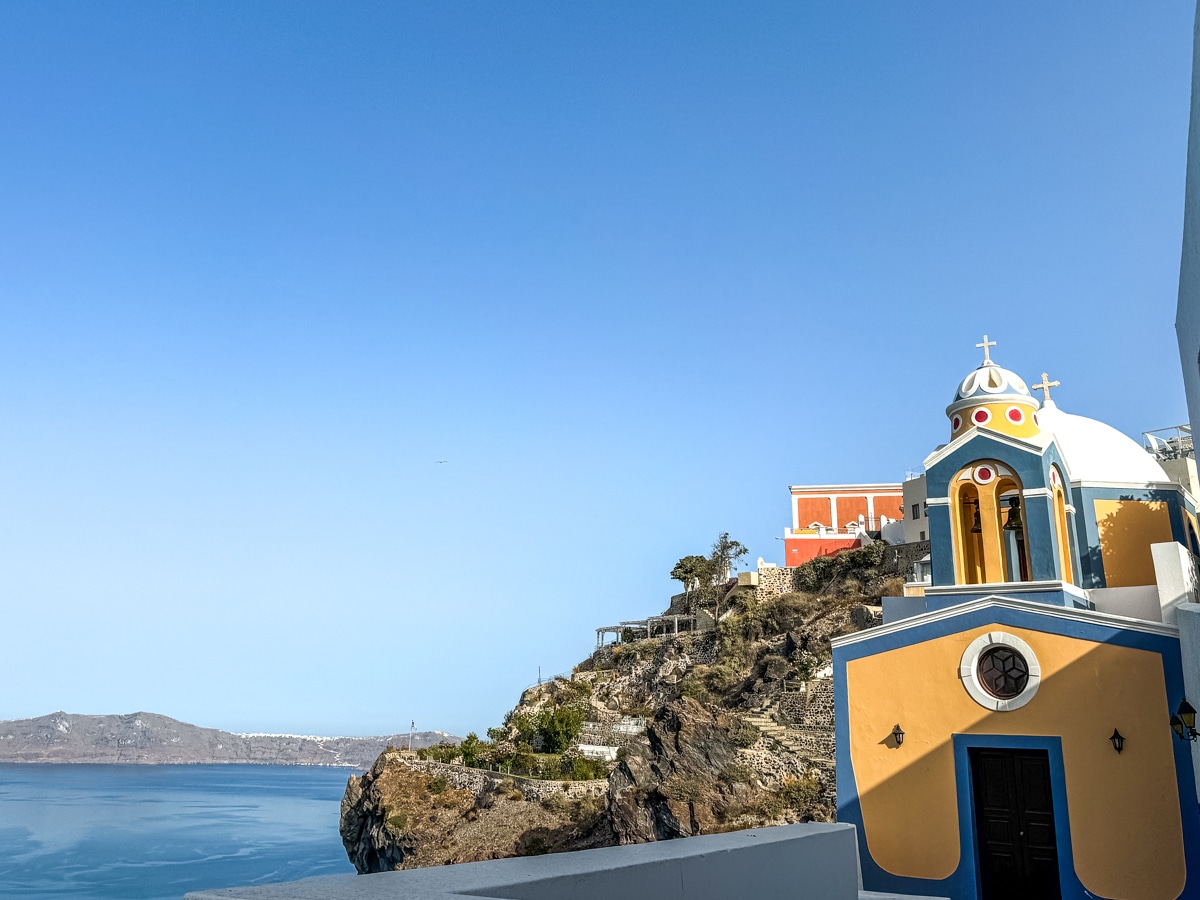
1094 451
990 384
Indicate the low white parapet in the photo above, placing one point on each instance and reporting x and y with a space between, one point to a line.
815 861
598 751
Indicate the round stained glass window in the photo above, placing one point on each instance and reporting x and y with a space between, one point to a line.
1003 672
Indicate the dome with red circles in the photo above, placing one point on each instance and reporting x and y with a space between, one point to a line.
992 384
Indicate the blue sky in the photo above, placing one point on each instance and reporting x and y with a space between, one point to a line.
631 269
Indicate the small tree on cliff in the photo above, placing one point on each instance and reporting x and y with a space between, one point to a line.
725 555
703 578
691 571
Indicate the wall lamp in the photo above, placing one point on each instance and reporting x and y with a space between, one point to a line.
898 734
1118 740
1184 720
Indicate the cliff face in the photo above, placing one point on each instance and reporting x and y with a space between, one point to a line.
151 738
696 775
403 814
740 735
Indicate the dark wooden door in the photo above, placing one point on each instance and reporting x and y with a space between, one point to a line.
1014 824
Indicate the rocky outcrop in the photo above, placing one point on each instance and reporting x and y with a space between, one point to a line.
674 786
151 738
698 775
404 814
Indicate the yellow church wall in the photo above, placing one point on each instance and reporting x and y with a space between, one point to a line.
1127 528
1125 821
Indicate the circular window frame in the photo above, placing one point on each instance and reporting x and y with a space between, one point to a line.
968 671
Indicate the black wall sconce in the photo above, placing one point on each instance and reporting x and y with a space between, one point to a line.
1118 740
898 734
1183 723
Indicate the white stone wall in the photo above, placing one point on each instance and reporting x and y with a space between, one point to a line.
480 781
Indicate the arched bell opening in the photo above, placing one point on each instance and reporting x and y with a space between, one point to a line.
989 526
1012 530
1061 533
1192 539
968 535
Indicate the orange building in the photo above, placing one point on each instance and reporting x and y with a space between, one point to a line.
829 518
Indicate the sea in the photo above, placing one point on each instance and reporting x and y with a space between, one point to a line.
154 832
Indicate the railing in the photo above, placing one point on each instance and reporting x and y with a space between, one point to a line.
1169 443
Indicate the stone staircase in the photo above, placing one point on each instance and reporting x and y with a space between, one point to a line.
795 739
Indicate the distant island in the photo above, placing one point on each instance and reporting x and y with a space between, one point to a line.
151 738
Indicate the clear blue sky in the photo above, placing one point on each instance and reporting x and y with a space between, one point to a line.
631 268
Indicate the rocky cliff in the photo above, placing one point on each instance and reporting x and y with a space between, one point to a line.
696 733
151 738
404 814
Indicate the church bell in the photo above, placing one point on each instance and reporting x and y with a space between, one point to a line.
1013 522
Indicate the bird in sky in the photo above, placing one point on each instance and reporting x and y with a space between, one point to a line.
440 461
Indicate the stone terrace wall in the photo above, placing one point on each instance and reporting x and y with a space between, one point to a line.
899 559
480 781
773 582
812 706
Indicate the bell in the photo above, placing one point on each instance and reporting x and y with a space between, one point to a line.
977 525
1013 522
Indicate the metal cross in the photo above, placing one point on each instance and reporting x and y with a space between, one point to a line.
987 357
1045 386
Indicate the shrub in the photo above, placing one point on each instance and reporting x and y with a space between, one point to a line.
800 793
471 749
558 727
685 787
443 752
438 785
723 677
399 821
585 769
691 686
646 648
806 665
738 772
775 667
745 735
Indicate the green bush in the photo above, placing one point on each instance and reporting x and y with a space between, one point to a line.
775 667
558 727
441 752
723 677
823 574
438 785
739 773
692 686
585 769
471 749
685 787
745 735
800 793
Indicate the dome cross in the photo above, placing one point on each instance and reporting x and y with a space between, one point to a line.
1045 386
987 357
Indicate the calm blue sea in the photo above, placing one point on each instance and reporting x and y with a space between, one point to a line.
154 832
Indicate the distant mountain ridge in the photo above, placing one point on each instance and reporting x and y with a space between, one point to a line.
152 738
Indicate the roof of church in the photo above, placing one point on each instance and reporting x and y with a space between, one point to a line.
1094 451
990 384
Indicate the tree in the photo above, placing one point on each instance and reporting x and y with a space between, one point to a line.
690 571
558 726
470 749
724 556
